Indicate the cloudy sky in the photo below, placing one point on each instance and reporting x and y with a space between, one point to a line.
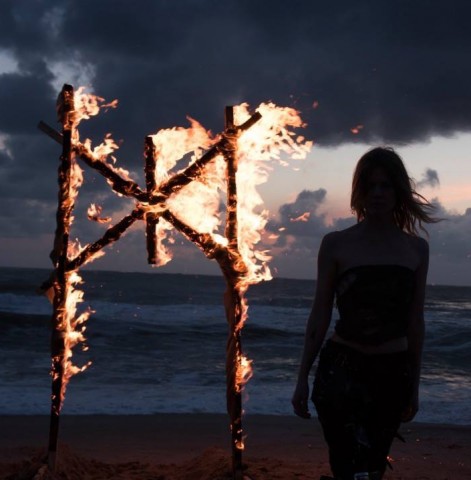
400 69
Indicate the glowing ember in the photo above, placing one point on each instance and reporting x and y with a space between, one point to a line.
244 372
356 130
302 218
94 214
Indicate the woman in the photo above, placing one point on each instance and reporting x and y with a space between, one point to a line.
367 380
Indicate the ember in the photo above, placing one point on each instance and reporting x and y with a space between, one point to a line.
235 160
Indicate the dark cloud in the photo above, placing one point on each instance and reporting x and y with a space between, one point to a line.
26 218
24 100
450 239
400 69
301 226
429 178
300 218
298 242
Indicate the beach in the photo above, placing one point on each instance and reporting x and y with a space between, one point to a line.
197 447
151 406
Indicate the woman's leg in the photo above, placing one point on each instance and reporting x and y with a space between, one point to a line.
359 400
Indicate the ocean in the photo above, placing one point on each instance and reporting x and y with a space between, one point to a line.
157 344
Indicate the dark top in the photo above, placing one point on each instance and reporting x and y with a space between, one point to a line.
373 301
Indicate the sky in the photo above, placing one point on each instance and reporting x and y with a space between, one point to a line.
361 74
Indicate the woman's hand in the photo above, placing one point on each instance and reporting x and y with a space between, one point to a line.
300 399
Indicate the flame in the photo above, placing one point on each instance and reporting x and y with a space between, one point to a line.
163 254
75 249
172 144
88 105
94 214
199 203
271 140
240 445
72 328
302 218
107 147
244 372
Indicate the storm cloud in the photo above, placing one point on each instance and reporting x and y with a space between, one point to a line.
301 227
399 69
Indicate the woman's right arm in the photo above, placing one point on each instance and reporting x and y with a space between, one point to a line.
318 322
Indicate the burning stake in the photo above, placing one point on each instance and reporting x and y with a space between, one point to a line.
154 206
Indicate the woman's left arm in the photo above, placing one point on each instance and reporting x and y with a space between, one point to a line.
416 329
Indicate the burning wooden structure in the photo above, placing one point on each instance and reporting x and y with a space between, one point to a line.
151 207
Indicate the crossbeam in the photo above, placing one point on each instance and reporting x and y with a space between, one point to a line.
227 256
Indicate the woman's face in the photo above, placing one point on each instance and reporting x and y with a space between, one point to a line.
380 197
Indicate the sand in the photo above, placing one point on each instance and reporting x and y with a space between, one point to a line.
197 447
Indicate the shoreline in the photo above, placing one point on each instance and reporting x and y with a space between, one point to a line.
197 446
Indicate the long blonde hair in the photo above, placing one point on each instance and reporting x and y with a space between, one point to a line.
411 208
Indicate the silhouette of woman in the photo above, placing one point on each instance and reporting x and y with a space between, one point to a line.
367 379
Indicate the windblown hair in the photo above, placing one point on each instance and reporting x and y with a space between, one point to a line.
411 208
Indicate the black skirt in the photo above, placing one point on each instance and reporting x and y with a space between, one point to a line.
359 400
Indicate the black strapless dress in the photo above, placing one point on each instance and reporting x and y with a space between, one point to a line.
359 398
373 302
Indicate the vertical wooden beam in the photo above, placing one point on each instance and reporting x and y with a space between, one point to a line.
233 299
228 257
152 219
230 154
65 110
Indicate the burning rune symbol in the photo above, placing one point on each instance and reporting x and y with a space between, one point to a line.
151 206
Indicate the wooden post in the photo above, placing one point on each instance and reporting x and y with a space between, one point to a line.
65 110
228 258
233 300
152 219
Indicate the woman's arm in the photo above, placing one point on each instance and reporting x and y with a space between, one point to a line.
318 322
416 330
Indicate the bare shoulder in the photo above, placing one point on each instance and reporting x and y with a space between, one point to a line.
336 242
342 235
420 244
331 241
331 238
327 247
420 247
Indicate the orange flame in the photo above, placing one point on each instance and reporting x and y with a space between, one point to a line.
356 130
73 330
302 218
270 140
198 204
244 372
88 105
164 255
94 214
